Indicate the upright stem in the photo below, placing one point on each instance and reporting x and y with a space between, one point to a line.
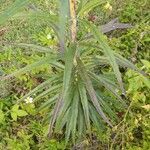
73 28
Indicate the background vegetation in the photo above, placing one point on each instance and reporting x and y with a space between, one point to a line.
21 127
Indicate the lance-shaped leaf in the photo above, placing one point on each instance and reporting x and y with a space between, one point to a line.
69 62
84 102
84 76
72 123
28 68
88 6
55 114
108 52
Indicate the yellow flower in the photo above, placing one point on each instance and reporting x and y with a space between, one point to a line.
108 6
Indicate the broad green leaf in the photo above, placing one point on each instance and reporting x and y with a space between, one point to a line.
15 108
14 116
146 81
21 113
146 63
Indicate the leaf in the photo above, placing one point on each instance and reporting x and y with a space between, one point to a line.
15 108
69 58
91 91
95 118
28 68
49 91
34 47
54 115
146 81
146 63
84 101
2 116
12 10
125 63
65 106
108 52
21 113
81 123
107 84
48 103
40 87
14 116
72 122
89 6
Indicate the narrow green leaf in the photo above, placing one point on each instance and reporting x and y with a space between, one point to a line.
49 91
48 103
89 6
84 101
72 122
28 68
54 115
107 85
91 91
107 51
41 87
12 10
69 62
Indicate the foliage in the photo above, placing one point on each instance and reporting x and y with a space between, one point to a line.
82 78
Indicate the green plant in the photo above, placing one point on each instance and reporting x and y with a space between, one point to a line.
84 70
